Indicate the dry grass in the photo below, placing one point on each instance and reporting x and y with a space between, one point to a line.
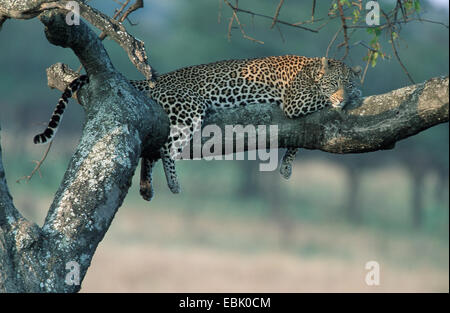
161 252
153 268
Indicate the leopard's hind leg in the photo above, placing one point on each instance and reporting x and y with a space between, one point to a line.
185 120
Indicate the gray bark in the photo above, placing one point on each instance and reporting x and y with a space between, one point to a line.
121 125
368 124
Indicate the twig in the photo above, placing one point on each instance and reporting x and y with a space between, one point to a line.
332 41
281 34
366 67
269 17
137 5
311 21
402 8
362 43
235 17
399 60
313 10
386 25
131 23
230 25
428 21
277 12
243 32
344 28
37 167
394 48
118 12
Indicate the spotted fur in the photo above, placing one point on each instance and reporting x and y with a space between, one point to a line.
298 85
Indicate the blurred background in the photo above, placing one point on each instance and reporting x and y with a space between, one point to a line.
234 228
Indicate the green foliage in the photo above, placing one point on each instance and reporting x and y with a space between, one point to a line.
376 31
375 45
412 6
356 15
345 2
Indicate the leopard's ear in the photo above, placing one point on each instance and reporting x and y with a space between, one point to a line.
357 70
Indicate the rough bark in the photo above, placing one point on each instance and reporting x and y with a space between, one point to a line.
122 124
372 123
118 121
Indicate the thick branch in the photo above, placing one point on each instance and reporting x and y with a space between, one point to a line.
373 123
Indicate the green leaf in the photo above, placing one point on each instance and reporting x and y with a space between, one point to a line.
356 16
374 59
377 31
373 30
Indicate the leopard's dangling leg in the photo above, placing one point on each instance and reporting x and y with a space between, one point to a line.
146 187
286 162
295 105
181 133
169 170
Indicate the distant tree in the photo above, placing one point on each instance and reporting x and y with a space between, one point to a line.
250 185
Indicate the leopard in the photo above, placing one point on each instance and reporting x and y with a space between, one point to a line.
298 85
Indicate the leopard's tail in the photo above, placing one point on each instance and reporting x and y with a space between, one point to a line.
57 115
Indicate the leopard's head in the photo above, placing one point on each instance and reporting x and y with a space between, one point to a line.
339 82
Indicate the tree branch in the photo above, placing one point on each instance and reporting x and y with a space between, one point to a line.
277 12
236 9
373 123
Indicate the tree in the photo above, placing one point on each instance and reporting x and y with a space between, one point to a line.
123 125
